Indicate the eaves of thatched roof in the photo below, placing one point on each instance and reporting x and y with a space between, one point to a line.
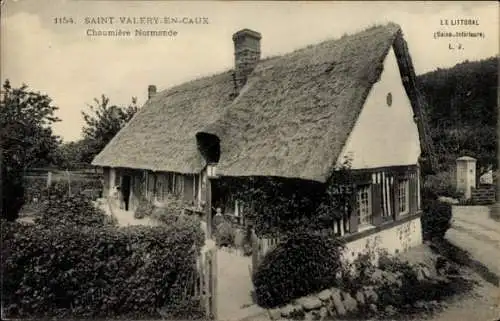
291 119
161 136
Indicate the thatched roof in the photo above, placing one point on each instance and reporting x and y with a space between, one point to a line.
291 119
297 111
161 136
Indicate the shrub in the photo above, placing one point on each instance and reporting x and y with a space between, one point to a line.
76 209
145 208
13 190
280 277
71 271
169 210
225 234
436 219
441 184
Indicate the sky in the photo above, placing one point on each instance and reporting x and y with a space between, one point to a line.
72 68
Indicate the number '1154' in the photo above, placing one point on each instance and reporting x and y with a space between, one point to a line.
63 20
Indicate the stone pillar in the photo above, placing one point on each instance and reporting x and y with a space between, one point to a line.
466 175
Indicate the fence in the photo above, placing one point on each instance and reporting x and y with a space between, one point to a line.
205 285
261 246
37 180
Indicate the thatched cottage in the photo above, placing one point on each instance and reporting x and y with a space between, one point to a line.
292 116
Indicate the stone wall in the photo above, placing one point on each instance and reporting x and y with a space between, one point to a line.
396 239
484 194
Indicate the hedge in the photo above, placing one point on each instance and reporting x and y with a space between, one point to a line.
302 264
436 217
80 271
61 208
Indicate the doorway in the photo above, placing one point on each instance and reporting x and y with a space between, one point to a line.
125 188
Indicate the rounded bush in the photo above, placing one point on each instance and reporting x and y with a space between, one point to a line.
436 219
225 234
303 264
145 208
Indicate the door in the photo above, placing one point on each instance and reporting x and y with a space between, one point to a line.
125 188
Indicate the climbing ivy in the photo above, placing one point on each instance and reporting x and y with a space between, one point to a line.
278 205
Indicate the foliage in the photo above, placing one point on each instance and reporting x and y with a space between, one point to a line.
145 208
71 155
169 210
462 110
441 184
13 191
63 209
408 288
36 186
275 205
225 234
280 277
25 127
26 140
98 272
436 218
102 123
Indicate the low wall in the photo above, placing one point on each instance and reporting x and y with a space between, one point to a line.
397 238
394 237
484 194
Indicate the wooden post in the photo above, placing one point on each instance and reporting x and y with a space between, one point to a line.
49 179
214 283
395 194
209 207
1 182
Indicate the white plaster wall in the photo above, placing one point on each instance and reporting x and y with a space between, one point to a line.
400 238
112 178
384 135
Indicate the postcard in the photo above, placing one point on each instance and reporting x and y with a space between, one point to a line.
249 160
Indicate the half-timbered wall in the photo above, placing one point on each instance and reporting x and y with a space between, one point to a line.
391 225
394 193
155 186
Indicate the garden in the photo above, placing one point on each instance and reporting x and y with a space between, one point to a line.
375 285
73 261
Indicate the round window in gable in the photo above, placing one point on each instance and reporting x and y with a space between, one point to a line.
389 99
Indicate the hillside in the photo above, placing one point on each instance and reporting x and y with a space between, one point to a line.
462 110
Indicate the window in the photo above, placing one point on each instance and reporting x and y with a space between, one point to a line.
364 205
389 99
404 196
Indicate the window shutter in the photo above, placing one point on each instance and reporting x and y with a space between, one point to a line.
376 190
353 217
395 195
412 193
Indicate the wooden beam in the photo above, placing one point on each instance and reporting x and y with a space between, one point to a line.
209 207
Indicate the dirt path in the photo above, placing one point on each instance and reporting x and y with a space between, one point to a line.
482 304
234 286
473 231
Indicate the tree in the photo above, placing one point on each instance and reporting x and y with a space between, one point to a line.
102 123
70 155
26 139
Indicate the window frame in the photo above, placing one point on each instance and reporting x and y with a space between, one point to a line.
405 185
368 206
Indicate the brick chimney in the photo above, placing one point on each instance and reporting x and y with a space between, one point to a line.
151 91
246 54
